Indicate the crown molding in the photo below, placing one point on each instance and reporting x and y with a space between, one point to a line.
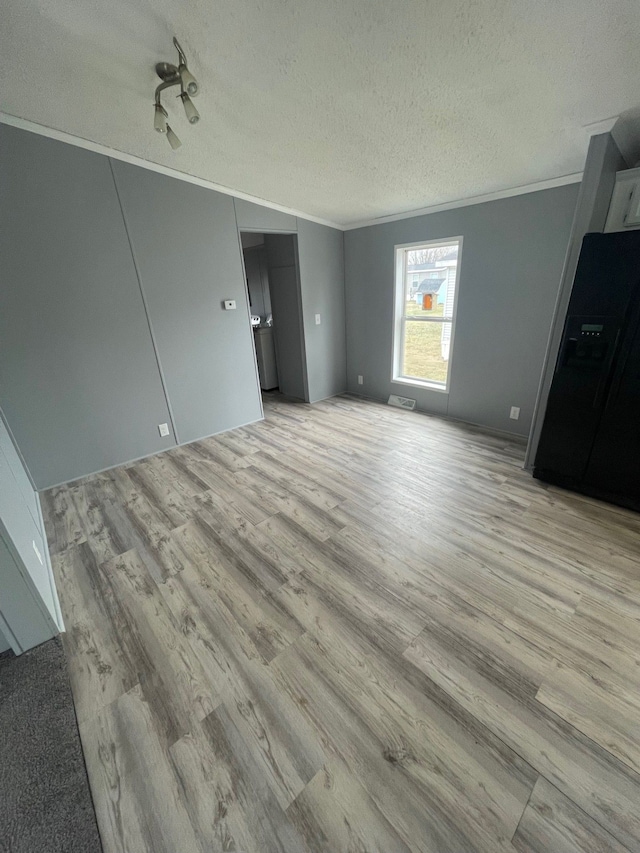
606 125
471 200
89 145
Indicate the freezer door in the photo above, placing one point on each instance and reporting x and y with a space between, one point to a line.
614 465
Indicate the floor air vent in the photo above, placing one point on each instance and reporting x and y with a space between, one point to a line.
401 402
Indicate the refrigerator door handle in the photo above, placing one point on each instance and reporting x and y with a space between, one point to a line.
604 385
625 350
564 351
617 379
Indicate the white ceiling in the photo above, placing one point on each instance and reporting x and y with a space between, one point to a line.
342 109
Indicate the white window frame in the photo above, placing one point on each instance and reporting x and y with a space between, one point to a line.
399 318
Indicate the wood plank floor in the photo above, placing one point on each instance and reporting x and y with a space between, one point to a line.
351 628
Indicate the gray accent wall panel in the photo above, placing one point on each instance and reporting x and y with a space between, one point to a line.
321 258
255 217
79 384
187 253
512 260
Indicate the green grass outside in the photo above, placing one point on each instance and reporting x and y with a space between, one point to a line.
422 346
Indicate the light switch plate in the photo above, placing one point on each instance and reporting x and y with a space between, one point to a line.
229 304
514 414
317 319
163 429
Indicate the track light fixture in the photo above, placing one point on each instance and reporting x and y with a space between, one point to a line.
189 82
172 75
173 140
160 119
191 112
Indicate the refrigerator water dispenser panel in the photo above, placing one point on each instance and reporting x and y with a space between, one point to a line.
587 344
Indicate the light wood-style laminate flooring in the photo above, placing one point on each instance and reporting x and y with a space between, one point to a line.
346 629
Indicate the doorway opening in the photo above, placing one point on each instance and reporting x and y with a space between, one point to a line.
272 277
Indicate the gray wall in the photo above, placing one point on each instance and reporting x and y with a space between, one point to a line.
111 318
254 217
186 248
603 161
512 259
288 330
79 383
321 258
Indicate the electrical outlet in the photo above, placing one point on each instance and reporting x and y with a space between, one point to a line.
163 429
514 414
317 319
360 380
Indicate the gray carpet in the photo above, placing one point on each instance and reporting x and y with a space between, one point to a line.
45 803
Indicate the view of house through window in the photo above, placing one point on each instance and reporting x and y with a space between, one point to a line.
426 285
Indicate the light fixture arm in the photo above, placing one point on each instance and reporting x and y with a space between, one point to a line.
181 53
167 84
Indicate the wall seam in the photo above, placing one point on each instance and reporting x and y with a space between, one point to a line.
344 299
154 344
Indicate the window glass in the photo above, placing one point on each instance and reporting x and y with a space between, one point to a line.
427 278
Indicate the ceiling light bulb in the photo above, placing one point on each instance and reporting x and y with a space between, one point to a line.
189 82
160 119
174 142
193 115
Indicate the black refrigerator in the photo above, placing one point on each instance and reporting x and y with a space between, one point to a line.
590 440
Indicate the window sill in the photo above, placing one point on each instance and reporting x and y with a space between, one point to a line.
420 383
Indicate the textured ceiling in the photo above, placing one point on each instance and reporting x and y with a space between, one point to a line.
343 109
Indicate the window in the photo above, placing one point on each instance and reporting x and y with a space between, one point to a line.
425 310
